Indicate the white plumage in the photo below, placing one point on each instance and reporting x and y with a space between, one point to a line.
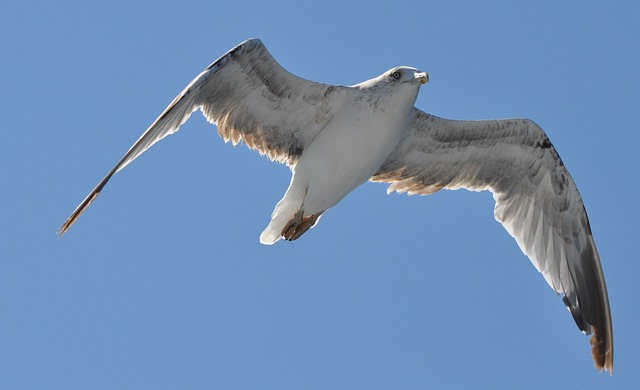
335 138
366 124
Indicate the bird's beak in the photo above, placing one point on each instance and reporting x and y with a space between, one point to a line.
423 77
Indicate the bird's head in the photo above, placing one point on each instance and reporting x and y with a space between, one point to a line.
400 78
406 74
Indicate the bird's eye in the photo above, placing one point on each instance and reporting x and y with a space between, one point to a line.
396 75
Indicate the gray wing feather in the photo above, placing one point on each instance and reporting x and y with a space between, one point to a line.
251 98
537 202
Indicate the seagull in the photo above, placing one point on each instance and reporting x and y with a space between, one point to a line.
335 138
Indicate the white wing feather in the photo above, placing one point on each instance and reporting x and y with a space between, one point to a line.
251 98
537 202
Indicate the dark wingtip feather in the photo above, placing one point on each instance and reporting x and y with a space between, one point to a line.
76 213
87 201
601 351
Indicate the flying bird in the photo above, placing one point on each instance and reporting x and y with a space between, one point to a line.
335 138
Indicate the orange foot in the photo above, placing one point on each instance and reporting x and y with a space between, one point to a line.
298 225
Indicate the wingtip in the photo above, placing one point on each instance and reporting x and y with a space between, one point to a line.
63 228
601 352
76 213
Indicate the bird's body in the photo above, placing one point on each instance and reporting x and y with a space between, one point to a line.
334 138
349 150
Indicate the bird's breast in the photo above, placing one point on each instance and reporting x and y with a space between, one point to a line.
348 151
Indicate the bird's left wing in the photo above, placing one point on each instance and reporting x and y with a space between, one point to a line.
250 98
536 201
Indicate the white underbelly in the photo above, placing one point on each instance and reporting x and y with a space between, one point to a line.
343 156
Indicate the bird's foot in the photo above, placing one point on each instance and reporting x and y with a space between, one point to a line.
298 225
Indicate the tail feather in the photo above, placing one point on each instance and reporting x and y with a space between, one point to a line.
272 233
285 211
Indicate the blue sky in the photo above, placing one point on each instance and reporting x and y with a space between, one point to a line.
162 283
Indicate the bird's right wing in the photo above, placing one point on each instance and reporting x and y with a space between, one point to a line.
537 202
250 98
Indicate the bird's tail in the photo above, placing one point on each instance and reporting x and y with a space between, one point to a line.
286 210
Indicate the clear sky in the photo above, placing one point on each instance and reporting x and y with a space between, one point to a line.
162 283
